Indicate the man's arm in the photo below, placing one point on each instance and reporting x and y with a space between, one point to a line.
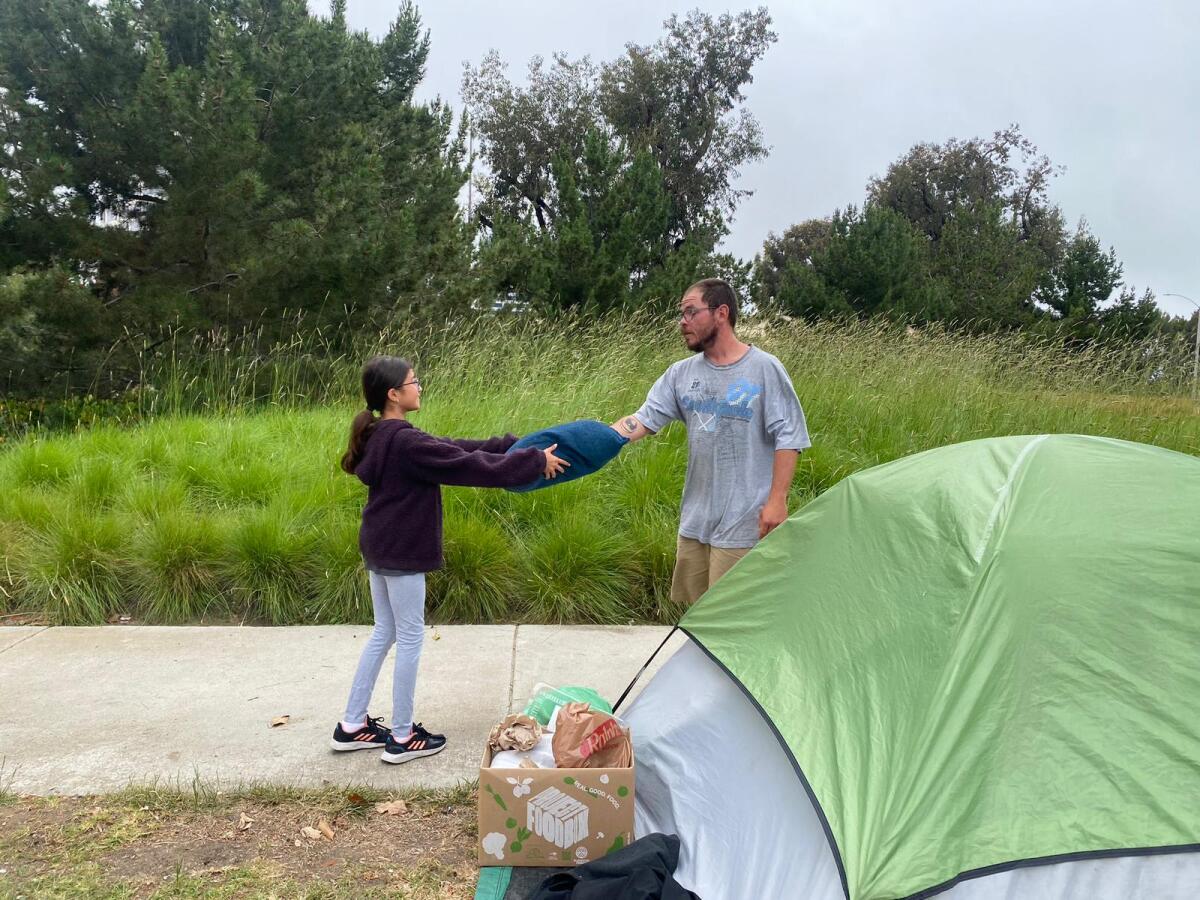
630 427
660 409
775 512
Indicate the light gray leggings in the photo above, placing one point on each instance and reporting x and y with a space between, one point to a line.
399 602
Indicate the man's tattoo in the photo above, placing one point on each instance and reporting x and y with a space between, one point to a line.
630 424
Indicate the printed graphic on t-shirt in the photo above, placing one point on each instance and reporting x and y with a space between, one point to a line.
710 411
743 393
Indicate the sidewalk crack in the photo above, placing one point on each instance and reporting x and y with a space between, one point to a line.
512 670
24 639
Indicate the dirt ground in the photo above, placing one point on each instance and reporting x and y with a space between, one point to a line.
261 844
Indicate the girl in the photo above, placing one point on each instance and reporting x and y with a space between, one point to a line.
401 540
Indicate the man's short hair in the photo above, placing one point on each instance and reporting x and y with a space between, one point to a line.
717 292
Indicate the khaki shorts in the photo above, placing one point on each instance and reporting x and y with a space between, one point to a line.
698 567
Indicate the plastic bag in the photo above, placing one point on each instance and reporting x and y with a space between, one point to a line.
546 698
586 738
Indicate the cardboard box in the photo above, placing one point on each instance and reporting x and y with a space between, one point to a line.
552 817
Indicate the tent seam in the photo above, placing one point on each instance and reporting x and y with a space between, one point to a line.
1002 497
829 836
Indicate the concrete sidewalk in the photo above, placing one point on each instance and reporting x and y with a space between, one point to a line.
92 710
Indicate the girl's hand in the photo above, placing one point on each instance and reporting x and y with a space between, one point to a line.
554 464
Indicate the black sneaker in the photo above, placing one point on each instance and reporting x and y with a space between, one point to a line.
422 743
371 737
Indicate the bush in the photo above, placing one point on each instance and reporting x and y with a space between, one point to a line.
176 559
482 579
579 569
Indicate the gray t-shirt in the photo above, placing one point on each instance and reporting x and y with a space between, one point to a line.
737 416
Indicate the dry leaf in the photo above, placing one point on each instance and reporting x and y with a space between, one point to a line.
326 828
311 833
357 800
394 808
279 720
244 822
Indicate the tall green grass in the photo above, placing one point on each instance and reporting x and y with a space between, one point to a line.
221 499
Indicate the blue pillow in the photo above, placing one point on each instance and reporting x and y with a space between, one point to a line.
587 445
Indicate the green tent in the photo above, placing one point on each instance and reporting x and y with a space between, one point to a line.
972 672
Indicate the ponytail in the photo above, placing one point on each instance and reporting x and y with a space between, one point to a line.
360 430
379 375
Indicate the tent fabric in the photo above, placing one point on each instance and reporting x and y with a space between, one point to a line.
1172 876
757 836
747 828
975 658
588 445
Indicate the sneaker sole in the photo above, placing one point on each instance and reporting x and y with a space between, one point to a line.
348 746
397 758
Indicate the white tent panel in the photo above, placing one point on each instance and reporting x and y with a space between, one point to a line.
710 770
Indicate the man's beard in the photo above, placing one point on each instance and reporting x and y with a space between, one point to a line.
699 345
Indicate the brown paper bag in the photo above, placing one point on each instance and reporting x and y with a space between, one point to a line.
585 738
517 732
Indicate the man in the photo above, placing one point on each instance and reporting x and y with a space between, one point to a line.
745 431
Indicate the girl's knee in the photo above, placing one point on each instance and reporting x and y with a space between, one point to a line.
382 635
409 637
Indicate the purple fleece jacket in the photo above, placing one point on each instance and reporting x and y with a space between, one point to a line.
403 468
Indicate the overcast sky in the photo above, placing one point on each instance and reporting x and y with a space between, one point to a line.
1110 90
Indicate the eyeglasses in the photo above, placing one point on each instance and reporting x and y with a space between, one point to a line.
691 312
416 381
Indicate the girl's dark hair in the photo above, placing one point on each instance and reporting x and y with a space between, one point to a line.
379 376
